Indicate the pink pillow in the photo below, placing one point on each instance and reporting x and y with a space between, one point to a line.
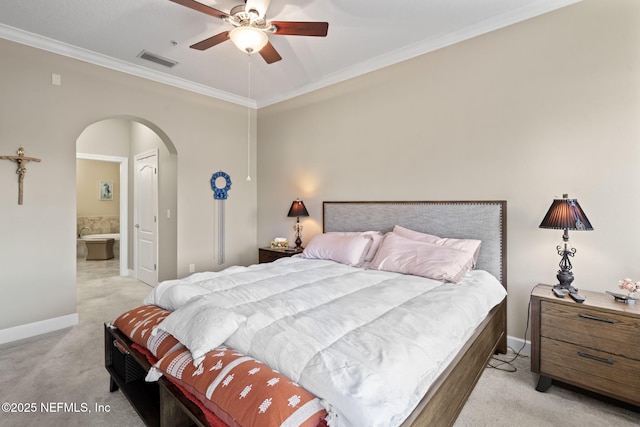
349 250
377 237
401 255
468 245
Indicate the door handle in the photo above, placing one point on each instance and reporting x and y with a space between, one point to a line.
137 225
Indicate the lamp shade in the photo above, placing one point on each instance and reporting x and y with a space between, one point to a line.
298 209
248 39
566 214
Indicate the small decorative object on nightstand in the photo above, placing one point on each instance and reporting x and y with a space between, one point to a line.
632 288
622 298
280 243
593 345
272 254
297 210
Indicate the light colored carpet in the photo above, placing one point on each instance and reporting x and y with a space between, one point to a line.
510 399
67 367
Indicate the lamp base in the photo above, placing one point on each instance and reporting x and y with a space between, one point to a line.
565 278
298 229
298 242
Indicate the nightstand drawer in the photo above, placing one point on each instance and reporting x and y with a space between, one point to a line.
594 329
598 371
272 254
593 345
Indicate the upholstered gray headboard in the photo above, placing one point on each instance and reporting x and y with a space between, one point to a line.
482 220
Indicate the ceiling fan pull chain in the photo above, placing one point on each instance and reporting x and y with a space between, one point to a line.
248 117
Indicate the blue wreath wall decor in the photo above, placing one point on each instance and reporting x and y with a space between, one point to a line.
220 193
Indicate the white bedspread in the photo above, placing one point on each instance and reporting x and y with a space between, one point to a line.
369 343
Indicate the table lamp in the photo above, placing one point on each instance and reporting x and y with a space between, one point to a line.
297 210
565 214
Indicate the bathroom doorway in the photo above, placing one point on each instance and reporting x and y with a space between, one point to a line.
105 229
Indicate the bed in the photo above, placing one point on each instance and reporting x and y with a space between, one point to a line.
170 402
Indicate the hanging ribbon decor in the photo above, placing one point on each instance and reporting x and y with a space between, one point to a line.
220 195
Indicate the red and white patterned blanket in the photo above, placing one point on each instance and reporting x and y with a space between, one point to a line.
238 389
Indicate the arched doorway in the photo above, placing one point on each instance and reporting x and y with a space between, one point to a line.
119 139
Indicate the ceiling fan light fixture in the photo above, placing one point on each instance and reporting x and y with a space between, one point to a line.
248 39
259 6
252 28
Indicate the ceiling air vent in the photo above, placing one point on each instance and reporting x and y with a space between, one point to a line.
157 59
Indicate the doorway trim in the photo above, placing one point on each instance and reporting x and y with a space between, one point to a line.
124 207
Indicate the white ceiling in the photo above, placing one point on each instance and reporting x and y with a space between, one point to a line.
364 35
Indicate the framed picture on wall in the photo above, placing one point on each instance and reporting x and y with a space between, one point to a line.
106 190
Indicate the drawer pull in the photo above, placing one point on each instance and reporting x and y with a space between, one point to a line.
596 358
599 319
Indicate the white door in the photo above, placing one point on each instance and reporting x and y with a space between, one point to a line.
146 217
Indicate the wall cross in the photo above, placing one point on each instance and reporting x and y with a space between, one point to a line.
21 160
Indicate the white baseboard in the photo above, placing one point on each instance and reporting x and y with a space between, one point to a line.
518 343
37 328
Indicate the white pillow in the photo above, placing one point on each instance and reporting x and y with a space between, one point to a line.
349 250
377 237
468 245
200 326
401 255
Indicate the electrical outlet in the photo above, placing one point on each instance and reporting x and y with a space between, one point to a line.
192 268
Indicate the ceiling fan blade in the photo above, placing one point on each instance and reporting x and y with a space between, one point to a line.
211 41
288 28
270 54
259 6
192 4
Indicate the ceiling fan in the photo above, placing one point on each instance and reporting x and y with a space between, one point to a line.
252 28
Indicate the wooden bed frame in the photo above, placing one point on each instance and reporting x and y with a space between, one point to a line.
162 403
483 220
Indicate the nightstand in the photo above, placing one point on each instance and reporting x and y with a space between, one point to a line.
272 254
594 345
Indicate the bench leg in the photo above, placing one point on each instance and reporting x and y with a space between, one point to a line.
112 385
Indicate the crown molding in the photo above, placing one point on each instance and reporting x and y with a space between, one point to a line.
65 49
413 50
399 55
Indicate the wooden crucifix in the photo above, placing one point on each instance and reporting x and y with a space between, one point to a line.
21 161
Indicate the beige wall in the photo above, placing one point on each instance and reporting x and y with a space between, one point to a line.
89 173
37 239
541 108
524 114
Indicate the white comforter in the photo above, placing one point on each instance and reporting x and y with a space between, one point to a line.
369 343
